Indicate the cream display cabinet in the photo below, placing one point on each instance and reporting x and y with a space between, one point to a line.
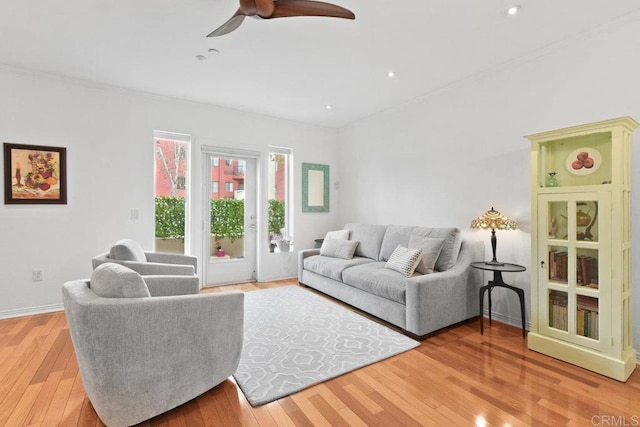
581 248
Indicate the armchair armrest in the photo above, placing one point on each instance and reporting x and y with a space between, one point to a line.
301 256
166 258
160 285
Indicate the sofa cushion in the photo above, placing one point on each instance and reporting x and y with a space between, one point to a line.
370 237
338 234
404 260
451 247
338 248
375 279
111 280
394 235
331 267
127 250
431 248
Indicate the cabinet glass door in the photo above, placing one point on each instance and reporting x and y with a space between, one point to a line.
570 260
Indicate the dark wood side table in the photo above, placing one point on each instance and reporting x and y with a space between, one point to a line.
498 282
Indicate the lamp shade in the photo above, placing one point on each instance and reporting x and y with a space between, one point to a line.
493 220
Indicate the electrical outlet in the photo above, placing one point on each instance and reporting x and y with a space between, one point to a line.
37 275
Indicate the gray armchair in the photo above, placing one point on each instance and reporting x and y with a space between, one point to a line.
129 253
140 354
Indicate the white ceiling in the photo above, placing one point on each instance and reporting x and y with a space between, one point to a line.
290 67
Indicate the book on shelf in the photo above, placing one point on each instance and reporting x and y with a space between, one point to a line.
558 261
558 310
587 317
587 271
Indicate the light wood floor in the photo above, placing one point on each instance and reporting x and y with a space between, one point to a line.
457 377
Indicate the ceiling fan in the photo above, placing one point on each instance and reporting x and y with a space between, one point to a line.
267 9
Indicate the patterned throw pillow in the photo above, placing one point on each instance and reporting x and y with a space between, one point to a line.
338 248
404 260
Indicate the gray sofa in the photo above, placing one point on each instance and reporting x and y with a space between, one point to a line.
420 304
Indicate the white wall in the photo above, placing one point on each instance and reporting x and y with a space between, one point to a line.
109 138
445 158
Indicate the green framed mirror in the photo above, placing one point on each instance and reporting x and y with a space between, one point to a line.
315 188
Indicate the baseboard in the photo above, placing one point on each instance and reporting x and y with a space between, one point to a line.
511 321
29 311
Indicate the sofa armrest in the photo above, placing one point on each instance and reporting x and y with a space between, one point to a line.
179 259
301 256
161 285
444 298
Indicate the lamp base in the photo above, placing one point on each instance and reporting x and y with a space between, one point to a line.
494 262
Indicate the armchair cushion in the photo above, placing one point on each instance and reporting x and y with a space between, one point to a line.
112 280
127 250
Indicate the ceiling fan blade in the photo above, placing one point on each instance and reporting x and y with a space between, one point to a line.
287 8
264 7
233 23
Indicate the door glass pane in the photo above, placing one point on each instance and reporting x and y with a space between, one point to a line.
558 264
227 209
587 221
558 310
587 268
587 317
558 220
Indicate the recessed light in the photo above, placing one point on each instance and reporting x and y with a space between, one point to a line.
329 107
391 74
513 10
201 57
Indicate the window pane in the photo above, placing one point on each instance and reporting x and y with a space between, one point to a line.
215 187
170 193
278 194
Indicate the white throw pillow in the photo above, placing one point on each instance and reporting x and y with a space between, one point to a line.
404 260
336 248
431 248
111 280
338 235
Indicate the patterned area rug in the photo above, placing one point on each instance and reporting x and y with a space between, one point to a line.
294 339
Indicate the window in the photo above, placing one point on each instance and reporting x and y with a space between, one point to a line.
216 162
171 152
280 205
228 162
215 187
228 186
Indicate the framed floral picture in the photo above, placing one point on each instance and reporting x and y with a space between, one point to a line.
35 174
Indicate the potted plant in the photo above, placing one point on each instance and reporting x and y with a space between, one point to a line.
219 250
284 245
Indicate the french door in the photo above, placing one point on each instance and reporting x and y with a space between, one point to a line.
229 244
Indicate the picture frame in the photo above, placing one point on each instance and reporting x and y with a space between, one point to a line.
315 187
35 174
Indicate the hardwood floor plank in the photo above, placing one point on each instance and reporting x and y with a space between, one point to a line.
455 377
56 408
